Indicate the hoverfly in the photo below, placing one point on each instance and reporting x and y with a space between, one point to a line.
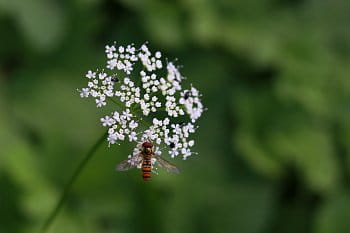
145 156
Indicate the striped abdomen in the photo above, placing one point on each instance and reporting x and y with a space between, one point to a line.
146 167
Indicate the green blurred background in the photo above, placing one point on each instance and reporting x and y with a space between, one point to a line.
274 146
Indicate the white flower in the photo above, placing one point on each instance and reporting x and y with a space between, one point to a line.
107 121
158 54
193 105
173 153
90 74
102 75
85 92
112 138
100 102
132 136
155 91
109 49
133 124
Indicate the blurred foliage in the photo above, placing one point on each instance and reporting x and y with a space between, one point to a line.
274 151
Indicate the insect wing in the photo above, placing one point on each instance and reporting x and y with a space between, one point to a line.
124 166
162 163
129 163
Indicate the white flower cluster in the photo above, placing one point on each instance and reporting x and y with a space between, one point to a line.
193 105
175 136
122 59
128 93
151 63
99 87
141 86
120 126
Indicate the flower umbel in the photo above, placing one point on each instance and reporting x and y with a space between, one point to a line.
151 104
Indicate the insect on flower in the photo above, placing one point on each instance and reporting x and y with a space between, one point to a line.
148 158
152 109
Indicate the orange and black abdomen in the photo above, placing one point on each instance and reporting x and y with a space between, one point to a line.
146 167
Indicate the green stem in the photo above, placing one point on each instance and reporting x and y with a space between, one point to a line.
117 103
70 183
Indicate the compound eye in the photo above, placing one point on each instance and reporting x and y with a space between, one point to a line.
147 144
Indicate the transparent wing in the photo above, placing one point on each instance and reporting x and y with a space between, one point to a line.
129 163
162 163
124 166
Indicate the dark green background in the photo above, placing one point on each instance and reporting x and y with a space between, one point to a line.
274 145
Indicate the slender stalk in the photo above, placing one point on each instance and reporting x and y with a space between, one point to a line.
116 102
70 183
